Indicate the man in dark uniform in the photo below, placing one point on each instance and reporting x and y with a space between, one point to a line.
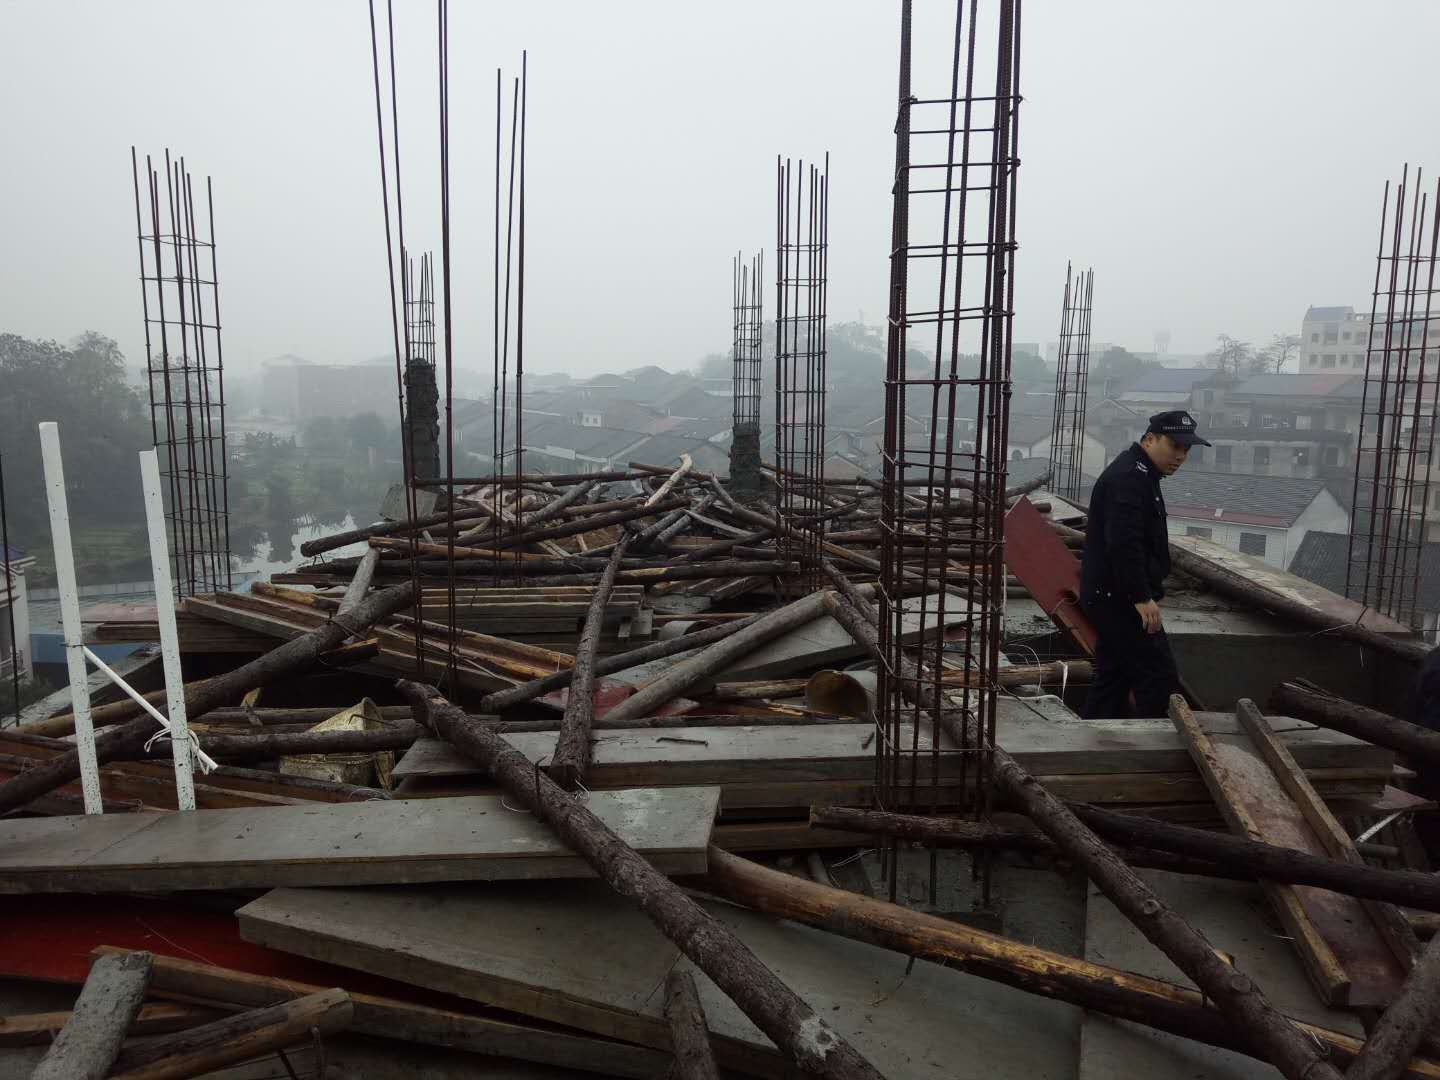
1122 573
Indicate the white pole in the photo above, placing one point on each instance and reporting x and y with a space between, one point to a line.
70 614
169 636
206 761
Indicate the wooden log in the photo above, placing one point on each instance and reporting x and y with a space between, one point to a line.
360 583
1266 861
38 1029
1124 995
689 1036
608 665
585 524
1338 714
266 745
406 1021
62 724
1231 584
775 1009
1234 994
574 494
674 478
728 568
572 749
713 658
1404 1025
388 528
535 478
90 1041
235 1038
294 655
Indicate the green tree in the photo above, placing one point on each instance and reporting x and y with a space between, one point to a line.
366 430
103 424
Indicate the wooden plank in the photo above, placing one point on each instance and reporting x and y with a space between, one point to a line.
587 959
788 753
1348 960
464 839
37 1029
408 1021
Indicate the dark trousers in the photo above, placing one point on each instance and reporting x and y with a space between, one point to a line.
1129 660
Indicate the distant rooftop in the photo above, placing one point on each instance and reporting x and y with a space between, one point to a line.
1344 384
1275 501
1166 381
1322 558
1329 314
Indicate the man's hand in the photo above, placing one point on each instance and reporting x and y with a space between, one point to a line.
1149 612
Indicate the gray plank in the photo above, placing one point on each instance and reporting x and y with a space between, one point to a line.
474 838
584 957
1048 741
1235 919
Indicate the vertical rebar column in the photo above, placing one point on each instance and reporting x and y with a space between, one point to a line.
186 382
800 284
747 281
422 394
509 298
951 295
1072 373
1396 441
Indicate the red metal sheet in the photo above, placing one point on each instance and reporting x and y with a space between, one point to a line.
1036 555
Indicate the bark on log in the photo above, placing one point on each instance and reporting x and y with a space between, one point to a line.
720 547
772 1006
575 493
266 745
689 1035
674 478
236 1038
1404 1025
62 724
527 479
608 665
294 655
90 1040
360 583
688 672
585 524
1121 994
387 528
1374 726
1234 994
1234 585
726 568
572 749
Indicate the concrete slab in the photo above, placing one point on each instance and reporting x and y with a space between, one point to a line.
1234 918
584 957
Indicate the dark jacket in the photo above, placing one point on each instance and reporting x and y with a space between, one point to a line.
1127 549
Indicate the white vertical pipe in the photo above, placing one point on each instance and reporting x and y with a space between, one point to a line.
180 747
70 614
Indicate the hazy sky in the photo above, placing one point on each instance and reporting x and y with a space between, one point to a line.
1220 165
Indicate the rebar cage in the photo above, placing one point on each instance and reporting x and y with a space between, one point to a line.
947 392
1072 374
185 369
1391 517
802 226
748 311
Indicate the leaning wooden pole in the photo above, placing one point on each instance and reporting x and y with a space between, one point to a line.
1141 838
1374 726
572 748
1405 1024
716 657
689 1036
608 665
91 1039
1234 994
295 655
771 1005
1124 995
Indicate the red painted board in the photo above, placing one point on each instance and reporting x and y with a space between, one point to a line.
1036 555
50 938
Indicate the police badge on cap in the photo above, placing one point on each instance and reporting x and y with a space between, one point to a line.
1179 425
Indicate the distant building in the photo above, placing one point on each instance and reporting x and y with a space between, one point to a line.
1333 339
1265 516
15 600
1281 425
299 391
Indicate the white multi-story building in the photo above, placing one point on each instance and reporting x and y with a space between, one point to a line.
1333 339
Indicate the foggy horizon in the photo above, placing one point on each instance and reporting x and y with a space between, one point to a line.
1221 169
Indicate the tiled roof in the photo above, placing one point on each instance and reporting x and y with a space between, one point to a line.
1302 385
1262 500
1322 558
1167 381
